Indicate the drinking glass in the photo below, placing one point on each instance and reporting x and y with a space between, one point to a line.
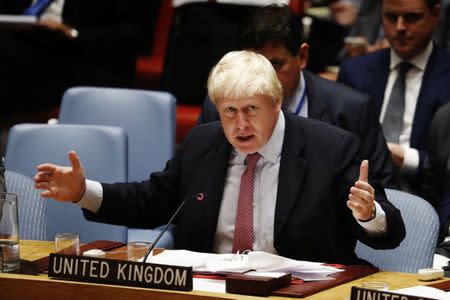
67 243
137 250
9 233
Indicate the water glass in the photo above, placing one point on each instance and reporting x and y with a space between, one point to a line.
9 233
137 250
67 243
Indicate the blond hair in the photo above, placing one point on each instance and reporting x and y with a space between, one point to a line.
242 74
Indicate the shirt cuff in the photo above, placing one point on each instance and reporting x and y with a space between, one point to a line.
92 198
410 161
378 225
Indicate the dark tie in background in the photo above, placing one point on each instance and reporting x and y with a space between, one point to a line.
393 118
37 8
243 228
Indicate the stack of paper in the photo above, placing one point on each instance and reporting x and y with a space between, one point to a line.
257 260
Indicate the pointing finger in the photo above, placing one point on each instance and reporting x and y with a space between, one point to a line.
364 171
75 161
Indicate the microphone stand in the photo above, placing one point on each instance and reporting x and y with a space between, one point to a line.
198 196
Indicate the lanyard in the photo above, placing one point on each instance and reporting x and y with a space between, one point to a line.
302 101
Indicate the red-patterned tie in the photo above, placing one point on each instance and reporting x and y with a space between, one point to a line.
243 228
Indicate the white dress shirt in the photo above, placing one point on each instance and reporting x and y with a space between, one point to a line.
413 83
294 102
53 11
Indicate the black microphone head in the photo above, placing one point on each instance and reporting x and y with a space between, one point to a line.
200 196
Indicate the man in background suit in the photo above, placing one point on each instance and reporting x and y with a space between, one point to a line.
436 184
276 33
76 43
300 205
408 26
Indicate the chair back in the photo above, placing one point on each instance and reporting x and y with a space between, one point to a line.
148 117
32 222
102 151
417 249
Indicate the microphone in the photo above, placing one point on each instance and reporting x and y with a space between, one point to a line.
199 197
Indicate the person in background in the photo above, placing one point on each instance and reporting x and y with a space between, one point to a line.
275 32
267 178
366 33
407 82
74 43
436 184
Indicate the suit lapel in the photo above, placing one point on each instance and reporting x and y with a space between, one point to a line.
429 91
292 170
216 163
316 106
379 71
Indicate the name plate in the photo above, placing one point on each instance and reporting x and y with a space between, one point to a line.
366 294
120 272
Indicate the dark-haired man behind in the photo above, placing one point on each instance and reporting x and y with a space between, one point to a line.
275 32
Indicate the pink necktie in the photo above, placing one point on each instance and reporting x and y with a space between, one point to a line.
243 228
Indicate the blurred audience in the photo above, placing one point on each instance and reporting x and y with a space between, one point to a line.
366 34
409 82
201 34
442 33
74 43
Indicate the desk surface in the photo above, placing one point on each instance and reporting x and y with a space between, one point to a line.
13 286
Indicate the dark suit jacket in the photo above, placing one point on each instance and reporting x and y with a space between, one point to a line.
437 165
345 108
369 74
312 220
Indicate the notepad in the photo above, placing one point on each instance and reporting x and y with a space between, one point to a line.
238 263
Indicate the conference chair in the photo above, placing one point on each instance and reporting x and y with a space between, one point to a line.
102 151
32 221
417 249
149 120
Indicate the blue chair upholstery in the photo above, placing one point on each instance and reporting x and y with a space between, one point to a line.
32 222
149 120
101 149
417 249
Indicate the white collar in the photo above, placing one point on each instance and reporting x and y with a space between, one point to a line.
420 61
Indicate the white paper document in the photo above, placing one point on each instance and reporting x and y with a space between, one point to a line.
424 291
257 260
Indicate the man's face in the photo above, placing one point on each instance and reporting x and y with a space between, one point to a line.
248 123
408 25
286 65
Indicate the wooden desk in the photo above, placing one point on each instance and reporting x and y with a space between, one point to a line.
13 286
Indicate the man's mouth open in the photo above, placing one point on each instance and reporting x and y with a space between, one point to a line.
244 138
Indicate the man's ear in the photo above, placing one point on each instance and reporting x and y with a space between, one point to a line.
303 54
